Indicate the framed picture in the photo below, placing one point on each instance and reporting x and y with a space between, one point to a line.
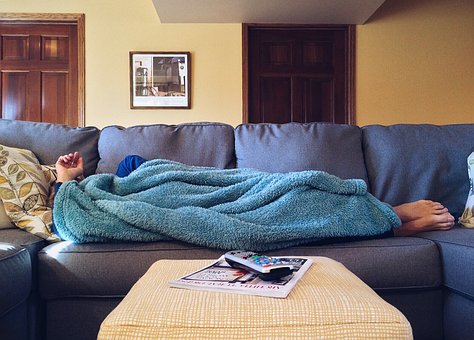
160 80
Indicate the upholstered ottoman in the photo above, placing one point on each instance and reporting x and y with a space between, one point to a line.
15 286
328 302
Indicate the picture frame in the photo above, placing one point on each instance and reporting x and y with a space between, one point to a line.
160 80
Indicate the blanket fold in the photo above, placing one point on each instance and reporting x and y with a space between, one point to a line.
218 208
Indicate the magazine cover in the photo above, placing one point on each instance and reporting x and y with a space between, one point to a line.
221 277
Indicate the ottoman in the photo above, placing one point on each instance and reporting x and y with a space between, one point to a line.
15 284
329 302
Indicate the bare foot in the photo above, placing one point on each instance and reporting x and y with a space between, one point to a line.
414 210
423 215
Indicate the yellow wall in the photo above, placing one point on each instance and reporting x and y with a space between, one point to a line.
115 27
414 61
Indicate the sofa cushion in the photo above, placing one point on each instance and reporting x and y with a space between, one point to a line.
105 269
458 312
400 159
204 144
15 276
15 284
390 264
334 148
32 243
49 141
457 256
387 264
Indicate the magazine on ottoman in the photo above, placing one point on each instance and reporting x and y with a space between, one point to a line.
221 277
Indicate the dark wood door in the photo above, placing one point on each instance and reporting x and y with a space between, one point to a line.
298 74
39 72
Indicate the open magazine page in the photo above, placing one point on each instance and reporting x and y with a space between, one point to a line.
221 277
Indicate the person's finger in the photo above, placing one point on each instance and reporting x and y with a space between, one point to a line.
63 159
75 158
80 162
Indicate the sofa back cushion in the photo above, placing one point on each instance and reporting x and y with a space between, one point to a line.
49 141
203 144
408 162
334 148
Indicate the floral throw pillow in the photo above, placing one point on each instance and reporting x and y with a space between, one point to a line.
5 222
24 191
49 172
467 218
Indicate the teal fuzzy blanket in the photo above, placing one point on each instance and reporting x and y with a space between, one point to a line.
225 209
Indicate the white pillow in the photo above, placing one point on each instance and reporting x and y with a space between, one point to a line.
5 222
467 218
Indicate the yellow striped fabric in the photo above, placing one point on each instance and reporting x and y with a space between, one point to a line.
329 302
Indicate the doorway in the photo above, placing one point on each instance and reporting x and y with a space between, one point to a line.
298 74
42 68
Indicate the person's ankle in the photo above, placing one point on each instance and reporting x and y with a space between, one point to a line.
406 229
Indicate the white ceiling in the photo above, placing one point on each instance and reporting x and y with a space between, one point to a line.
266 11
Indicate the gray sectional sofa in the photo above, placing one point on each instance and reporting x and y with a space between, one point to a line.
64 290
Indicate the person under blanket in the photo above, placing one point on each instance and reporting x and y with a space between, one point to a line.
418 216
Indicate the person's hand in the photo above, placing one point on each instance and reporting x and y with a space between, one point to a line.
69 166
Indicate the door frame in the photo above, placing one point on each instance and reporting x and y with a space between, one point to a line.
75 18
350 65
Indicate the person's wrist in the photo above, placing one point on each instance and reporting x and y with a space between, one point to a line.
64 178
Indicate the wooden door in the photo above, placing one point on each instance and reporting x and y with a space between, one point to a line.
39 72
298 74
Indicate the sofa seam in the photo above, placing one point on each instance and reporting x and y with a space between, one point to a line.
23 300
458 292
445 242
12 255
196 124
88 296
376 289
408 288
44 252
